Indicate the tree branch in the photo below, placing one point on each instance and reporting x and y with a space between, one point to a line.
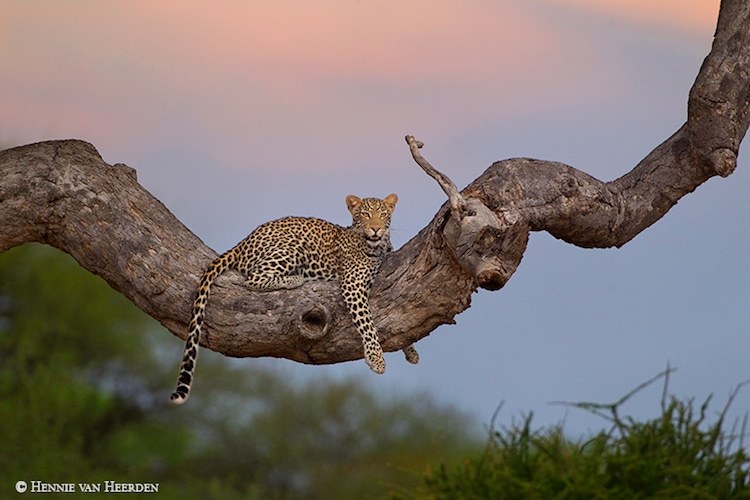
457 202
62 193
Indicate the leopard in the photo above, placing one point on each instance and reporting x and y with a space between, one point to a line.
286 253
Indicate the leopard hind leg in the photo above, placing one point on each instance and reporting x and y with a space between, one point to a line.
274 273
411 354
262 283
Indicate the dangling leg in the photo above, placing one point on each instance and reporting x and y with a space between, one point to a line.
355 297
411 354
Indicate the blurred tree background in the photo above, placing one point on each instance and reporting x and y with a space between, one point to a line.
83 398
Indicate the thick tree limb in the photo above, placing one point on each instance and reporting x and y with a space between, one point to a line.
62 193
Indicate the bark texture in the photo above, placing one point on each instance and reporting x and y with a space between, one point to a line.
62 193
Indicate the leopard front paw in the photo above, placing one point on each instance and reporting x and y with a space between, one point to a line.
376 362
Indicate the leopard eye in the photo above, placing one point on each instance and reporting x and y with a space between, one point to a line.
365 215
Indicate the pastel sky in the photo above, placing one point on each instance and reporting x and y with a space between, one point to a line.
235 112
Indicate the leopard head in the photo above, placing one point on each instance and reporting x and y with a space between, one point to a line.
372 216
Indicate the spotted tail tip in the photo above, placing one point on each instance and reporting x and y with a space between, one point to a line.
178 398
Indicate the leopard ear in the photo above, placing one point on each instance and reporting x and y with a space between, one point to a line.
352 202
391 201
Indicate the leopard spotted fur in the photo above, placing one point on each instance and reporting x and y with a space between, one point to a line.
285 253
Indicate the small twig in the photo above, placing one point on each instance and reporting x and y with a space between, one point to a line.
665 388
743 432
663 374
458 204
731 399
598 408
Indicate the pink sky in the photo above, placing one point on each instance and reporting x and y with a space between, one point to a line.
694 16
106 71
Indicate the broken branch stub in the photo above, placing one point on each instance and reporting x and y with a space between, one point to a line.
487 247
457 202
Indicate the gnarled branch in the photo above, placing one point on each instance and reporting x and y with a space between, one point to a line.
457 202
62 193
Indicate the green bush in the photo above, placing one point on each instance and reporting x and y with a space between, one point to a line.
676 455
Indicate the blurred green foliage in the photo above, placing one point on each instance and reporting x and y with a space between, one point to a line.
84 378
678 454
84 381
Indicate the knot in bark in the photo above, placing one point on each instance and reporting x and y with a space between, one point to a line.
313 324
487 247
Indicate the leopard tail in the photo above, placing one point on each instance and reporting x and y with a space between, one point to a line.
192 342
